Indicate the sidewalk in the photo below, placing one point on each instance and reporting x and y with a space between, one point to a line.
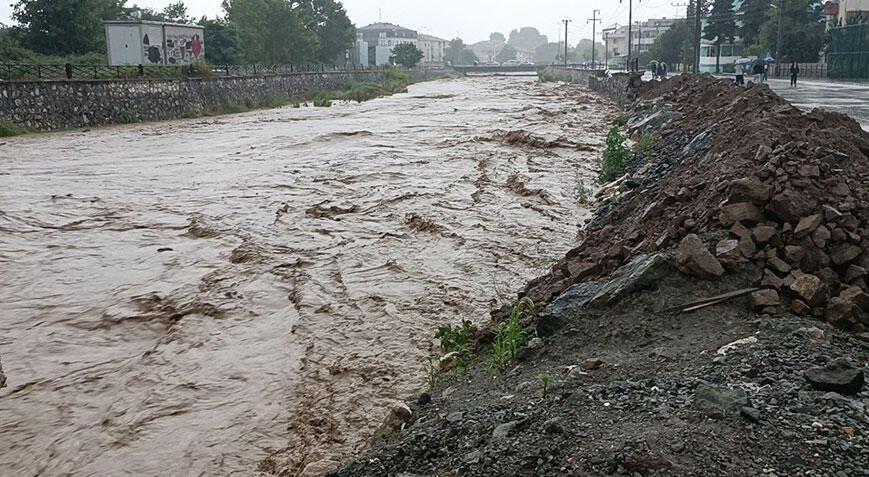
840 96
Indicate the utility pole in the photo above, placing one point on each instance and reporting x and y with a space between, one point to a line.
778 60
630 35
698 10
606 49
639 39
594 19
678 6
565 40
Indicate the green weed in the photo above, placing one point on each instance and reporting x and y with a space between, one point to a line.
646 142
9 130
455 338
583 192
510 337
616 158
546 380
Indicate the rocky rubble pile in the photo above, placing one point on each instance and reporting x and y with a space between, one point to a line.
742 197
739 178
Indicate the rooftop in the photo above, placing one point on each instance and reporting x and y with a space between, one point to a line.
385 26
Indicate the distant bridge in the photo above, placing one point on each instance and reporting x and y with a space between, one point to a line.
495 70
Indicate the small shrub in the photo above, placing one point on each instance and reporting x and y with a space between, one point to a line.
322 99
546 380
9 130
616 158
646 142
455 338
201 70
549 75
583 192
510 337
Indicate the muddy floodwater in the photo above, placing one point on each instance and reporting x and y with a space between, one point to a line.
222 296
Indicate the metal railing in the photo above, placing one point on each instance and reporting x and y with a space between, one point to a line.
807 70
60 72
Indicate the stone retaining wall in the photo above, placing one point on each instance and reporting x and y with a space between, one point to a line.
51 105
620 87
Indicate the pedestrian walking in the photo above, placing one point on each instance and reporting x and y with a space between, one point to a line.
739 71
757 71
795 73
663 70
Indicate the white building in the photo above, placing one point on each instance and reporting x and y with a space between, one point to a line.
433 49
383 37
852 11
643 36
139 42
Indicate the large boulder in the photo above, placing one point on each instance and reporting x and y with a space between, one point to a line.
811 289
838 376
694 259
748 189
642 272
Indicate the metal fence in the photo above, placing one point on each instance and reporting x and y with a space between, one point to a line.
807 70
849 52
55 72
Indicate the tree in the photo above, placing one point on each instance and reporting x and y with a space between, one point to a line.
270 31
752 15
406 54
63 27
548 53
583 51
506 54
459 54
497 37
222 48
176 13
802 32
334 31
674 45
527 38
720 27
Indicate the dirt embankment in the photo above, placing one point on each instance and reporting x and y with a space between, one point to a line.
713 322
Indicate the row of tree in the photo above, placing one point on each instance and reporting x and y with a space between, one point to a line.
756 22
251 31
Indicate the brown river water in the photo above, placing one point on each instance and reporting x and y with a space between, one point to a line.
252 293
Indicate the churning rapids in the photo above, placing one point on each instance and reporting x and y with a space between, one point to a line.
252 293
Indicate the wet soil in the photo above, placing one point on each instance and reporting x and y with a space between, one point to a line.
216 296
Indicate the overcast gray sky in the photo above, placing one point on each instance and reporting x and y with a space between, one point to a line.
472 20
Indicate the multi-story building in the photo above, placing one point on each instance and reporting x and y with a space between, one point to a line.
730 51
850 12
383 37
643 36
433 49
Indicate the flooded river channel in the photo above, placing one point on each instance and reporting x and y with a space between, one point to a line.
219 296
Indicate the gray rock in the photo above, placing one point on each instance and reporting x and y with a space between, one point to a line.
719 401
535 343
473 457
838 376
567 306
553 426
504 430
644 271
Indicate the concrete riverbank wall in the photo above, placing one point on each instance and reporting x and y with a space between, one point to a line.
52 105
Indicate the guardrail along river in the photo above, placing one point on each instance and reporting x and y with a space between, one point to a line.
254 292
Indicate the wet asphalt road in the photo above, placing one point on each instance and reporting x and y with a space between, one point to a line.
849 98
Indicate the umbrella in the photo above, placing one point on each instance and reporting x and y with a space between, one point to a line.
770 60
743 61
